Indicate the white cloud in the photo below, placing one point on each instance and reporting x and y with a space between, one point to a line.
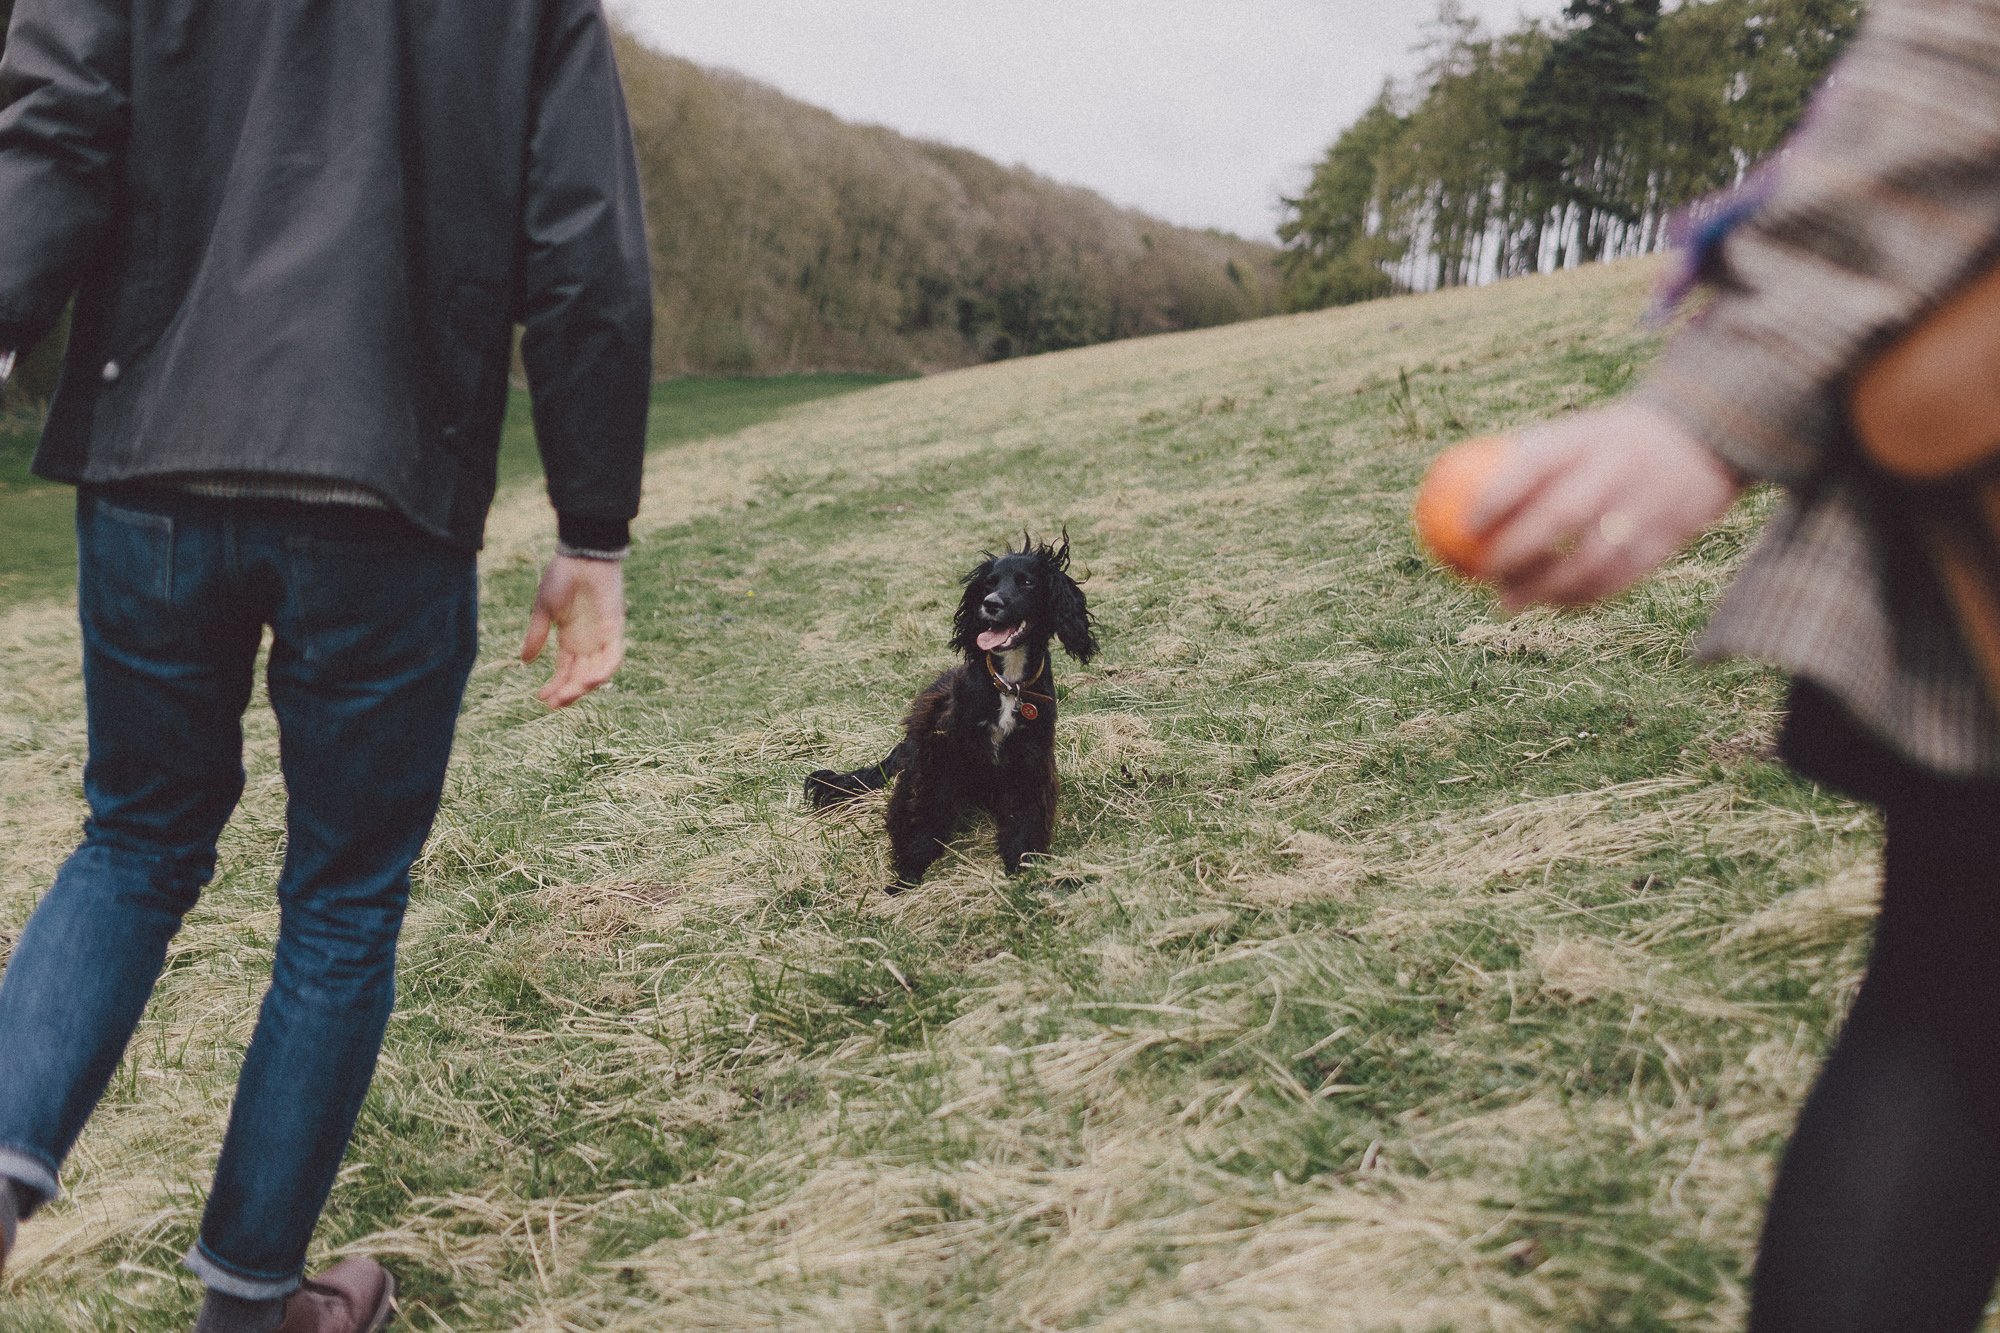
1200 111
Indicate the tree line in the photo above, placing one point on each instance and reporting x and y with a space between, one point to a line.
786 239
1553 145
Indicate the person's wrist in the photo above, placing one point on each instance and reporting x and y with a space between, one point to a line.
1738 480
1672 426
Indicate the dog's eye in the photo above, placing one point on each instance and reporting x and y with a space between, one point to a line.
1027 582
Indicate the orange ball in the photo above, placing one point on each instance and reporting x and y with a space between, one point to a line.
1444 502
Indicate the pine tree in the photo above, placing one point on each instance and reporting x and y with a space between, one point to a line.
1336 252
1574 161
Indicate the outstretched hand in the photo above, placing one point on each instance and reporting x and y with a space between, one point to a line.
1586 506
584 602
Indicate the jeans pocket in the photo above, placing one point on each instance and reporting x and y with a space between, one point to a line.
360 612
126 573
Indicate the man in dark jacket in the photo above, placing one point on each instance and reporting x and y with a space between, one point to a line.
298 239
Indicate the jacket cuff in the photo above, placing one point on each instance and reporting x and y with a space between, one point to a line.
592 538
1765 418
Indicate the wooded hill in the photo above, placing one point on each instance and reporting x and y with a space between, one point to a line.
1554 145
787 239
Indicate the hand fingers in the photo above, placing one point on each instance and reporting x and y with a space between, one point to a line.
538 633
1600 567
1533 460
1597 570
566 686
1551 527
1556 548
572 683
560 692
579 674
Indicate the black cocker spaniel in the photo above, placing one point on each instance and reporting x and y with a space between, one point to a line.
982 736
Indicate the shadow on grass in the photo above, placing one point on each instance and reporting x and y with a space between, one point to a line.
38 557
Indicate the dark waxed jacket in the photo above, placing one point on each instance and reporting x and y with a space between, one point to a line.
300 232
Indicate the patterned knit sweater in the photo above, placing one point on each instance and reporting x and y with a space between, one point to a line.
1883 202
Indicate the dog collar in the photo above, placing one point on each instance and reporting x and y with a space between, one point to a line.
1020 690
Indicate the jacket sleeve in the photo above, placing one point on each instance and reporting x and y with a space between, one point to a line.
65 94
586 288
1884 202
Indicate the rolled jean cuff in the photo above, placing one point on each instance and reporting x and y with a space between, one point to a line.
29 1170
217 1276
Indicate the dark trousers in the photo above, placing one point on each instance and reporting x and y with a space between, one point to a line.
374 628
1886 1211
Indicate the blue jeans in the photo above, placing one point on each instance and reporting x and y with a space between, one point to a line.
374 628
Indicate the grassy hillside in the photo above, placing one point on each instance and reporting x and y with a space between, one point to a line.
1398 966
785 239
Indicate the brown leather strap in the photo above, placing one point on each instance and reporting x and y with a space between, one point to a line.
1002 684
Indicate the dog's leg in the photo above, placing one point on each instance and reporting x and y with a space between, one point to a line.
824 787
1024 828
1014 842
921 816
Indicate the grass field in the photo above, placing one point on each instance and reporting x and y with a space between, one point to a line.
1398 966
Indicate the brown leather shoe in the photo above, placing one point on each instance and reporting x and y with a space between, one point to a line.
354 1296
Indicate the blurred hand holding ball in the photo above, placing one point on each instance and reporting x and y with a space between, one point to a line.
1573 510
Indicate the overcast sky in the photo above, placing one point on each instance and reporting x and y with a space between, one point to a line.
1202 112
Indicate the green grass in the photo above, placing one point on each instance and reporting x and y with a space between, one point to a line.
687 409
38 559
1397 966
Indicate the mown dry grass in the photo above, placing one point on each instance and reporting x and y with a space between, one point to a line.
1397 966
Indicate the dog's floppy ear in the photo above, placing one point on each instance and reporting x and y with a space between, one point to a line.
1072 617
965 620
1067 606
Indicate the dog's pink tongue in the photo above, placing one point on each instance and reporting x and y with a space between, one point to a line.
997 638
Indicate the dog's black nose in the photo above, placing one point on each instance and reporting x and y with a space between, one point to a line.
993 603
